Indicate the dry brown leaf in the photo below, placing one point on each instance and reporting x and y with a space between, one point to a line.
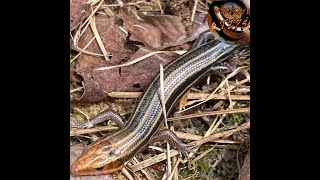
79 10
138 76
135 77
92 92
75 152
158 32
131 78
113 39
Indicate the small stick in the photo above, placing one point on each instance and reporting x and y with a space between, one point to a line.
76 132
135 161
139 59
98 39
152 160
203 154
174 169
194 10
77 89
217 135
210 113
81 112
126 173
124 4
162 156
194 137
220 85
159 4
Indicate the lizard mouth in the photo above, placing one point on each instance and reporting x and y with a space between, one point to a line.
114 166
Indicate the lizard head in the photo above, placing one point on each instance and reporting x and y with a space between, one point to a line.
98 159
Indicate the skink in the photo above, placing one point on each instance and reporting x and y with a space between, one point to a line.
112 152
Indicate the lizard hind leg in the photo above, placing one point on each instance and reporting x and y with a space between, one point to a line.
172 139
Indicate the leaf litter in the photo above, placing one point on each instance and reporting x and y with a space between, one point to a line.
126 36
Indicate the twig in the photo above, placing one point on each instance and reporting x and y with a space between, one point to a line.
194 10
203 154
210 113
175 171
221 118
162 156
188 136
99 41
77 89
152 160
217 135
159 4
82 50
76 132
135 161
175 168
220 85
124 4
126 173
81 112
92 13
138 59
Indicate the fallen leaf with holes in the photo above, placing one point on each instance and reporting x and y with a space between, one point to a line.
131 78
79 10
158 32
75 152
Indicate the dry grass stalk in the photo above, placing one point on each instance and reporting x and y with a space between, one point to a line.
194 9
162 156
194 137
75 90
153 160
202 154
210 113
81 112
220 85
123 4
139 59
76 132
82 50
175 168
127 174
175 171
135 161
218 135
98 38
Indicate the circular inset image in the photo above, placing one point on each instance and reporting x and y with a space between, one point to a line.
229 21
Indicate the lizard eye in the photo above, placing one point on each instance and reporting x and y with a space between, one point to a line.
111 153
